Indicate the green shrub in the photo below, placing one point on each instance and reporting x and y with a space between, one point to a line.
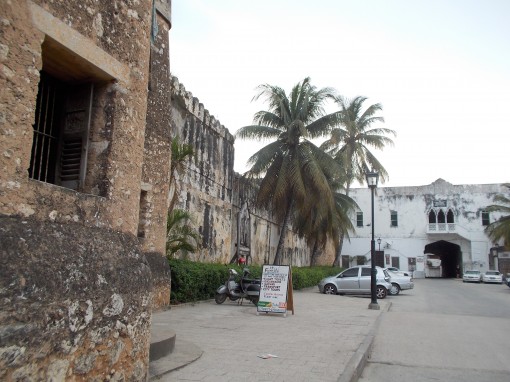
193 281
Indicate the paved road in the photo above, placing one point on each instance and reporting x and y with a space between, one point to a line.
318 343
443 330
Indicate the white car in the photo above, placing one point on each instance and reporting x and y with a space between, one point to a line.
399 282
472 276
398 271
492 277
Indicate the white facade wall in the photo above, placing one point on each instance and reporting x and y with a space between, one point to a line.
413 232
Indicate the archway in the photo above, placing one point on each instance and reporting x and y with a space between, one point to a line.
450 255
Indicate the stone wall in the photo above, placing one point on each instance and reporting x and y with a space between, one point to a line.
213 193
76 281
74 303
205 188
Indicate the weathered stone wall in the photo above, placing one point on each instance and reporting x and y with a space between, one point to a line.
105 32
213 193
206 186
76 282
156 164
74 303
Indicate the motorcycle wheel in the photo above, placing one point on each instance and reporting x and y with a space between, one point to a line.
233 298
220 298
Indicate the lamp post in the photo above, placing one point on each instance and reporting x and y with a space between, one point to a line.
372 178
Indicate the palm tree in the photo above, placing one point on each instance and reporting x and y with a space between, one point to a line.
350 143
180 235
500 229
294 171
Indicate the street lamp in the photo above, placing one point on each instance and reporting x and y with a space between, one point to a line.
379 242
372 178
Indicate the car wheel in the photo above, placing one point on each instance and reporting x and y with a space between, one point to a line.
381 292
329 289
395 289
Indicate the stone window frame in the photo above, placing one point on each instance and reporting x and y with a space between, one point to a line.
77 62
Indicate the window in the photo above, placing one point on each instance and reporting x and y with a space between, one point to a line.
359 219
395 262
394 219
449 217
61 127
351 272
360 260
432 217
441 217
485 218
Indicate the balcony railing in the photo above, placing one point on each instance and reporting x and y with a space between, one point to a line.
441 228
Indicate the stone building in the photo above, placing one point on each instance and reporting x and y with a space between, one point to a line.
215 195
434 230
84 157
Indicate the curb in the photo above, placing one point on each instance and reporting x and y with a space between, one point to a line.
358 361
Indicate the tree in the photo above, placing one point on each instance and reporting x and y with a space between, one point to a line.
350 143
180 235
180 155
294 172
500 229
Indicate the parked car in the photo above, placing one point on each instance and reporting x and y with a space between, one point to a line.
472 276
356 280
492 277
396 270
399 282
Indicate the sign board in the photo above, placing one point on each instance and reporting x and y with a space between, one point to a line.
274 288
439 203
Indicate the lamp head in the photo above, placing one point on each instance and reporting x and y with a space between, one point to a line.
372 178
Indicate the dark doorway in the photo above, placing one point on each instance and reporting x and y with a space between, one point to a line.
450 255
379 259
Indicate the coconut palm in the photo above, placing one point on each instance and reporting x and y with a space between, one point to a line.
500 229
294 172
351 141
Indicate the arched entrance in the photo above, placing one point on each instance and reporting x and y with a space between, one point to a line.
450 255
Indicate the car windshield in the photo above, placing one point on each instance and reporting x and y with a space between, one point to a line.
494 273
473 272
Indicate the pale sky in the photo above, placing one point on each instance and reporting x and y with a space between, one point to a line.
440 68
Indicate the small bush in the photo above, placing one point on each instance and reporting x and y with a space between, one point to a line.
192 281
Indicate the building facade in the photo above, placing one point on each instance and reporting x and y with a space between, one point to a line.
435 230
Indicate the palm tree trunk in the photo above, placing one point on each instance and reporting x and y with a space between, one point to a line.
283 233
315 254
338 254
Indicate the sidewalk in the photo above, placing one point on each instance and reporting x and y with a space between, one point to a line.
327 339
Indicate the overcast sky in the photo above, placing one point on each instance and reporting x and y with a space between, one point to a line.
440 68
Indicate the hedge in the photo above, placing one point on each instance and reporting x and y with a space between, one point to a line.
193 281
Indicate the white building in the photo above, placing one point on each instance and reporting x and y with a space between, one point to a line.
435 230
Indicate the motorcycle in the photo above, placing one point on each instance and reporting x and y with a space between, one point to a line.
235 290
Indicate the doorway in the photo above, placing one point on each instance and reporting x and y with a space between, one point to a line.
450 255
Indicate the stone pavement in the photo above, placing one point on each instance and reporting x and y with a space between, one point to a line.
327 339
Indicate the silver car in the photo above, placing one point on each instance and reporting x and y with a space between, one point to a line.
399 282
356 280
